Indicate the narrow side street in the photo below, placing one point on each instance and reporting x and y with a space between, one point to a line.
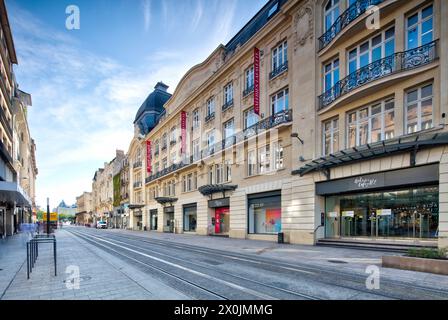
118 264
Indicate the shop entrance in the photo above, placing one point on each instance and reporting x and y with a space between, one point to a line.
407 213
221 220
153 216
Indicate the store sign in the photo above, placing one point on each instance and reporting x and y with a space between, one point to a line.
148 156
218 203
349 214
395 178
183 128
168 209
384 212
257 81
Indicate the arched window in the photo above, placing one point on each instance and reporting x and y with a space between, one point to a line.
331 13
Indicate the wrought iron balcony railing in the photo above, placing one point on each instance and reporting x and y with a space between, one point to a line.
248 91
137 164
173 142
210 117
278 71
265 124
348 16
137 184
398 62
227 105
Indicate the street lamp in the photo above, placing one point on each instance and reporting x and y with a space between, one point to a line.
296 135
48 216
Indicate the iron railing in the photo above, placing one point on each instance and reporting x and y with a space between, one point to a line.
279 70
348 16
211 116
137 184
227 105
277 119
137 164
248 91
398 62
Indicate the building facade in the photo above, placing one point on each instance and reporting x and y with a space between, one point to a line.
18 168
84 214
324 120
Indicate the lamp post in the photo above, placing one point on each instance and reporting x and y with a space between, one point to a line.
48 216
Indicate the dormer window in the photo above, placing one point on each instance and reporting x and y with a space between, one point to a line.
273 10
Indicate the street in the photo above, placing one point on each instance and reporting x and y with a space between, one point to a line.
201 272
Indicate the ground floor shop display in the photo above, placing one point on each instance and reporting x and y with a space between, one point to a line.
221 220
190 217
265 213
153 219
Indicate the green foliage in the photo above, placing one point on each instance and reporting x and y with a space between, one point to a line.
428 253
117 189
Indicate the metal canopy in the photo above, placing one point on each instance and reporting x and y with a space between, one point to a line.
214 188
136 206
410 143
11 192
165 200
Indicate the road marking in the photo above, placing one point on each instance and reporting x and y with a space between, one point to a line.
247 290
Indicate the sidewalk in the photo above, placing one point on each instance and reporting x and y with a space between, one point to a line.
102 276
340 259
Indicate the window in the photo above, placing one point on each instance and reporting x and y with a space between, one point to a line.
211 139
264 159
250 78
419 109
371 124
189 182
196 150
279 56
280 101
210 107
156 167
278 156
273 10
196 119
331 74
228 94
228 171
173 158
164 163
376 48
265 213
420 28
173 135
211 179
331 137
331 13
250 118
228 129
164 141
156 148
219 173
251 163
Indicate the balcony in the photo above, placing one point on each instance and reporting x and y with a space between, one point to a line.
6 124
169 170
248 91
227 105
164 146
210 117
278 71
348 16
399 62
172 143
137 185
137 165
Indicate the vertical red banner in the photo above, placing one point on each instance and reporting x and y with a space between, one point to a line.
183 128
257 81
148 156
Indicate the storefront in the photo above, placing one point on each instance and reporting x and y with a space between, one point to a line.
220 220
169 223
190 217
153 217
265 213
400 204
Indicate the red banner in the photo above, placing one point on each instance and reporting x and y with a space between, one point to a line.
183 128
257 81
148 156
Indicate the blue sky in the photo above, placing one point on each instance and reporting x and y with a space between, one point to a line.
87 84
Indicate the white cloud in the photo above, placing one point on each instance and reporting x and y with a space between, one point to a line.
147 14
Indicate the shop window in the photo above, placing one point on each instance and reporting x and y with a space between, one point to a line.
265 214
190 218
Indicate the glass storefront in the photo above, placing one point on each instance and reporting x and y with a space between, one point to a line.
405 213
221 221
190 218
153 216
265 213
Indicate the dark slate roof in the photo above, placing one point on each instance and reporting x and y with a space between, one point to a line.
255 24
155 101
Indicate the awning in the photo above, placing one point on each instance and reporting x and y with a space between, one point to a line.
136 206
410 143
215 188
11 192
165 200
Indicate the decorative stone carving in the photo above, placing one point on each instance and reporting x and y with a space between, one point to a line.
304 24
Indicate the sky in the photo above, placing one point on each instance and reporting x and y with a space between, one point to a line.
88 84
